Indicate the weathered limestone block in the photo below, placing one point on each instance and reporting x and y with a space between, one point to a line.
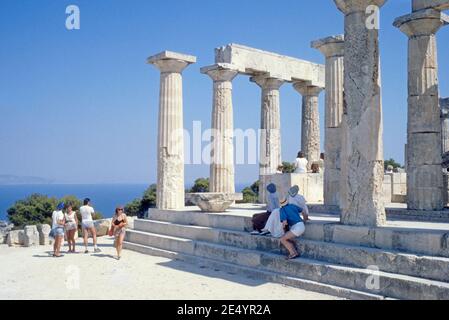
424 114
387 189
254 62
424 149
310 185
214 202
363 170
270 145
102 227
222 154
16 238
30 236
5 228
331 187
310 128
332 158
170 182
44 234
425 188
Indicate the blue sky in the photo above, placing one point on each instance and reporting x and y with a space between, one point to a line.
81 106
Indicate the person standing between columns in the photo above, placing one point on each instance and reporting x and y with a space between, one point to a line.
222 176
270 125
310 129
362 201
170 172
333 50
425 183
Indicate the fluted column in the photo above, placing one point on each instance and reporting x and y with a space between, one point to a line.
310 128
222 155
270 125
170 171
424 157
444 105
333 50
362 152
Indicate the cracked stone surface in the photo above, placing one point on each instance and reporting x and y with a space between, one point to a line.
362 162
170 173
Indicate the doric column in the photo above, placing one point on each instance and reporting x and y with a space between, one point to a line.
170 166
362 150
333 50
310 128
270 125
424 172
444 105
222 155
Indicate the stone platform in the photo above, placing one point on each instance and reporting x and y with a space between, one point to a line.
409 259
395 211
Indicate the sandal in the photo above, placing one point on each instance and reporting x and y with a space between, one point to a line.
293 257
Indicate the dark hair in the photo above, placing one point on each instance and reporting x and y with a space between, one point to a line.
322 156
301 154
86 201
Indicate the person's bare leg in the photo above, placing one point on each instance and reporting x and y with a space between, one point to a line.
85 236
285 240
94 236
120 245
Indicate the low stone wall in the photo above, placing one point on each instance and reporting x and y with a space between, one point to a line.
395 187
310 185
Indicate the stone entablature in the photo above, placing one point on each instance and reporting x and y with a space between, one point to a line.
255 62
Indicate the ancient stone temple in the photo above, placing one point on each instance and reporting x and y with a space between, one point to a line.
352 242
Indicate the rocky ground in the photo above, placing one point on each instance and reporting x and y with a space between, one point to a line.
31 273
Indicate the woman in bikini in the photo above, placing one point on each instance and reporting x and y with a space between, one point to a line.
71 225
119 223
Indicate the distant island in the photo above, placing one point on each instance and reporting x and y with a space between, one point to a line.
8 179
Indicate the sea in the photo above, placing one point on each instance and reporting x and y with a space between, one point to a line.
105 197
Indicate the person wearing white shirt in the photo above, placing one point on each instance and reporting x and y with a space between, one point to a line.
298 200
301 163
88 225
58 221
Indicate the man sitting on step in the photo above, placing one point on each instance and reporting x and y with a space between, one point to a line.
290 218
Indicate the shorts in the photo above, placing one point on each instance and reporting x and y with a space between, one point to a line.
118 232
298 229
70 226
88 224
58 232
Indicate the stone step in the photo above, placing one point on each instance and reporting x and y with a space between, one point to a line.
390 285
432 268
408 240
254 273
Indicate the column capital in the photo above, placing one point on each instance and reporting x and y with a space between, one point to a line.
171 62
333 46
307 90
421 23
266 82
426 4
221 71
350 6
